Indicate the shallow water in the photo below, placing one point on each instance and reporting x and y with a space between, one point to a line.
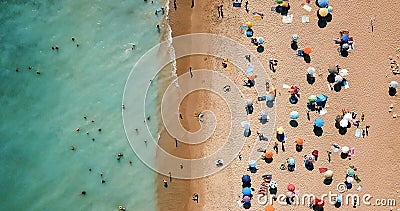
39 113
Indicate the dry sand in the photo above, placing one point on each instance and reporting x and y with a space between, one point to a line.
369 75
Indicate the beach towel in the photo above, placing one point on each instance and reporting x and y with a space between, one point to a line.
358 133
307 8
237 3
287 19
305 19
322 170
353 151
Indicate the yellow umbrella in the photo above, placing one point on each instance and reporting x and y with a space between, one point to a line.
249 24
280 130
328 174
251 76
323 12
269 208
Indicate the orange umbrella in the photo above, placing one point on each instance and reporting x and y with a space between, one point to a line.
299 141
323 12
268 154
307 50
251 77
269 208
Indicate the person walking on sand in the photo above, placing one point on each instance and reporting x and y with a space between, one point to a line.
222 12
329 156
195 197
190 71
245 6
165 183
276 147
219 11
175 4
308 115
192 4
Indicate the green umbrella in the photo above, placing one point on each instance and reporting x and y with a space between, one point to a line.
350 172
279 1
312 98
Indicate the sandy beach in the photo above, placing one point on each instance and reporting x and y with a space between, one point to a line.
369 76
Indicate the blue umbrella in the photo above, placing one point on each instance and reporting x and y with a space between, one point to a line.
291 161
246 179
321 98
319 122
252 164
323 3
345 38
294 115
260 40
246 191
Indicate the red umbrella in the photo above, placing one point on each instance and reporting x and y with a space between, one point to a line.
318 202
291 187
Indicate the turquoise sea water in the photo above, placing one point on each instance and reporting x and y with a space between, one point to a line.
39 113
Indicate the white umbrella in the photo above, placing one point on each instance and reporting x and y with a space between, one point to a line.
345 46
343 72
328 174
345 149
349 180
347 117
394 84
343 123
273 185
311 71
249 102
338 78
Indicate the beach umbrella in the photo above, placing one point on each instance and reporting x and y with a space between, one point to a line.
345 38
245 124
246 191
269 208
246 199
312 98
321 98
294 115
345 47
251 76
299 141
330 9
345 149
279 1
260 40
394 84
159 10
246 179
323 12
294 90
249 24
273 185
280 130
323 3
343 123
289 194
291 161
310 158
338 78
348 117
252 164
307 50
268 154
343 72
318 202
351 172
328 174
291 187
349 180
295 37
311 71
264 116
332 70
319 122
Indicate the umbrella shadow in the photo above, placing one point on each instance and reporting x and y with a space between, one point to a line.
322 23
328 181
282 10
344 155
268 160
311 106
307 58
343 53
260 49
263 121
246 184
309 166
331 78
392 91
299 148
247 205
337 87
342 130
273 190
310 79
293 123
318 131
270 103
294 45
338 204
293 99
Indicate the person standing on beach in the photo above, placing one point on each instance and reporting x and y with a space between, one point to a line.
165 183
192 4
175 4
245 6
219 11
329 156
190 71
308 115
276 147
222 12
